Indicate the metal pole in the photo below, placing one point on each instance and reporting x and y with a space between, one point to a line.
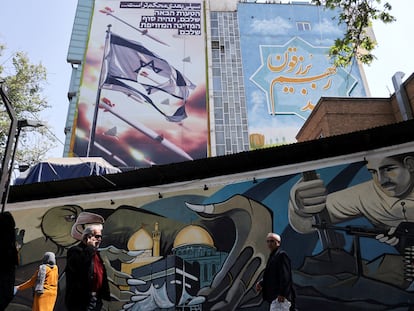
5 167
7 190
91 143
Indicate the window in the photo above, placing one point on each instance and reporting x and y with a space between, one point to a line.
217 83
216 72
303 26
215 45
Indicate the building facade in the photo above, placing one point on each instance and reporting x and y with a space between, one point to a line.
228 77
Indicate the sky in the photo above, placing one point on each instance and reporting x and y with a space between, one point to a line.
42 29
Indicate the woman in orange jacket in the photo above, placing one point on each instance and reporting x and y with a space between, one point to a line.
45 282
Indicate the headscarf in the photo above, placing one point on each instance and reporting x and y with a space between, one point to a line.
49 259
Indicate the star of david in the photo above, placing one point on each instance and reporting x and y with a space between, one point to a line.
150 64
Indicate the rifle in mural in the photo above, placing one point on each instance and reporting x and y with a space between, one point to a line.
329 238
404 232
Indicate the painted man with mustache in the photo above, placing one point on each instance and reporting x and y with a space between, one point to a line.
386 200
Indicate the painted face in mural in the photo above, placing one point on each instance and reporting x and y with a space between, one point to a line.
394 176
57 223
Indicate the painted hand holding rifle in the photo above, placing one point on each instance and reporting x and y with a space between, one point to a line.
386 201
310 204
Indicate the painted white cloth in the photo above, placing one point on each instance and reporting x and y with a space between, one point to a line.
280 306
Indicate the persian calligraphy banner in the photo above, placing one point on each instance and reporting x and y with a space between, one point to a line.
142 98
287 68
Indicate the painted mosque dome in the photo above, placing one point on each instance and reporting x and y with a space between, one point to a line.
140 240
191 235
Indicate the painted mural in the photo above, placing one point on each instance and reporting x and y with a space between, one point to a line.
142 98
348 229
287 68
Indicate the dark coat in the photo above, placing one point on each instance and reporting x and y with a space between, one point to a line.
79 278
277 277
8 258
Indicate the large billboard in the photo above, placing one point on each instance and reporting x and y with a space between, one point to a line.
287 68
142 98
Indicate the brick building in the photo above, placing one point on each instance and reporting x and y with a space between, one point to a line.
339 115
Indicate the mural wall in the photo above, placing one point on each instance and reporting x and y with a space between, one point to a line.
347 227
287 68
142 98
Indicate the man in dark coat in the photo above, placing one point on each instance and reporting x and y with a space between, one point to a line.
86 279
8 258
276 285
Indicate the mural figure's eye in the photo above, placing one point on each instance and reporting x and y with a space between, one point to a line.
70 218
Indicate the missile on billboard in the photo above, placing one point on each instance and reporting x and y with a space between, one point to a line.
107 106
